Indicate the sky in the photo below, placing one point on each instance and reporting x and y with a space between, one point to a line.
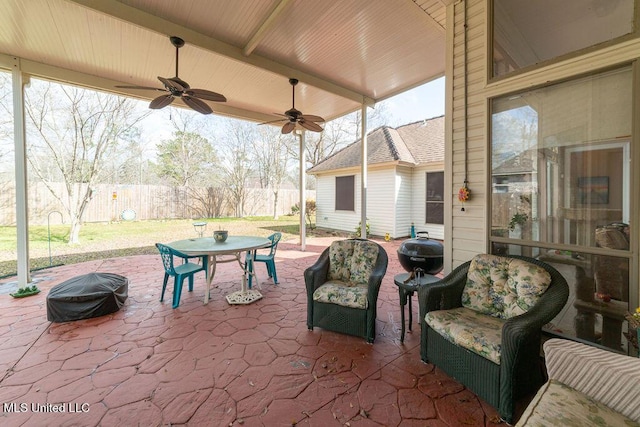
423 102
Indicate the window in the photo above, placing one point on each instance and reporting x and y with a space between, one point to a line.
345 193
435 198
561 187
528 32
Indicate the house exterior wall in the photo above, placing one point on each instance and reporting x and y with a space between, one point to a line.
468 228
467 232
388 198
403 201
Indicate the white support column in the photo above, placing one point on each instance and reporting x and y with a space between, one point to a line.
363 175
19 136
303 199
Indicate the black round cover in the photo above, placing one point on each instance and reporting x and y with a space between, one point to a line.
86 296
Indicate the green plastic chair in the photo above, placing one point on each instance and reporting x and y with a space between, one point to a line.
179 272
268 259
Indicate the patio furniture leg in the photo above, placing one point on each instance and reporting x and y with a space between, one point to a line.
164 286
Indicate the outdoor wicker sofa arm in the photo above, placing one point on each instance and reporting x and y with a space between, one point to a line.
375 280
316 275
610 378
444 294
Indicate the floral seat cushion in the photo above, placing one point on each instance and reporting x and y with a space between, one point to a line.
470 329
503 287
342 293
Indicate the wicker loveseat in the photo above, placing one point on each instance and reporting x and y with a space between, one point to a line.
482 325
587 386
343 285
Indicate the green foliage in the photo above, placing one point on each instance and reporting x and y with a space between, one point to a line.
359 229
310 213
186 159
26 291
518 218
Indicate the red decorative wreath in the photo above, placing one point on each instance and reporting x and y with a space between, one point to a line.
464 194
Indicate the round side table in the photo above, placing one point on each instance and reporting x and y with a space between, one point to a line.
406 290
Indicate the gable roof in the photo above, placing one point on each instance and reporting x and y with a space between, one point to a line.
414 143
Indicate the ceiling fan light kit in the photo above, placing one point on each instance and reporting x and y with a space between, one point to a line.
175 87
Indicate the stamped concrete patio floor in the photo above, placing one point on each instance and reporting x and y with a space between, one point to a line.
218 364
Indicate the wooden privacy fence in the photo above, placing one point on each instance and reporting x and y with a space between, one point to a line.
149 202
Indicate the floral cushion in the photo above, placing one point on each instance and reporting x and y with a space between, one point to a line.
363 262
557 404
470 329
352 261
339 252
342 293
503 287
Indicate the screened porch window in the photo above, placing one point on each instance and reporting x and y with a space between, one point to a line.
345 193
528 32
561 186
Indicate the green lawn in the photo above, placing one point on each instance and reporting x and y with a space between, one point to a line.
105 240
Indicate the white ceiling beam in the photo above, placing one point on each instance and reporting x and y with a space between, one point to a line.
63 75
162 26
268 22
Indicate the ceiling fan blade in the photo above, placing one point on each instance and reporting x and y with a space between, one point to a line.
312 118
197 105
138 87
288 127
206 94
273 121
161 102
312 126
170 84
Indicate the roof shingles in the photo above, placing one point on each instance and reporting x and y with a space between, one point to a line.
414 143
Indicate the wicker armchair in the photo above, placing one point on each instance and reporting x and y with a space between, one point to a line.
496 354
343 285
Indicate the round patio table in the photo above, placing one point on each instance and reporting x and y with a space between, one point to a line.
210 249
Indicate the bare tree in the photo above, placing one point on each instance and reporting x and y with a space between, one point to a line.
7 150
72 131
272 161
237 164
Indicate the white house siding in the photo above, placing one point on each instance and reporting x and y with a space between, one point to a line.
404 200
326 214
468 228
467 231
380 207
418 206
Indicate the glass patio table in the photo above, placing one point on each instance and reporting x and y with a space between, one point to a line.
210 249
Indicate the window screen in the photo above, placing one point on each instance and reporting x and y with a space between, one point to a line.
435 198
345 193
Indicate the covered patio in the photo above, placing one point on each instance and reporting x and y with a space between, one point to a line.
219 364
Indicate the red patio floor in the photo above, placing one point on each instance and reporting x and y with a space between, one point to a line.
217 364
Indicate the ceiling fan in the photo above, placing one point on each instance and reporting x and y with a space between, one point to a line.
178 88
294 117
